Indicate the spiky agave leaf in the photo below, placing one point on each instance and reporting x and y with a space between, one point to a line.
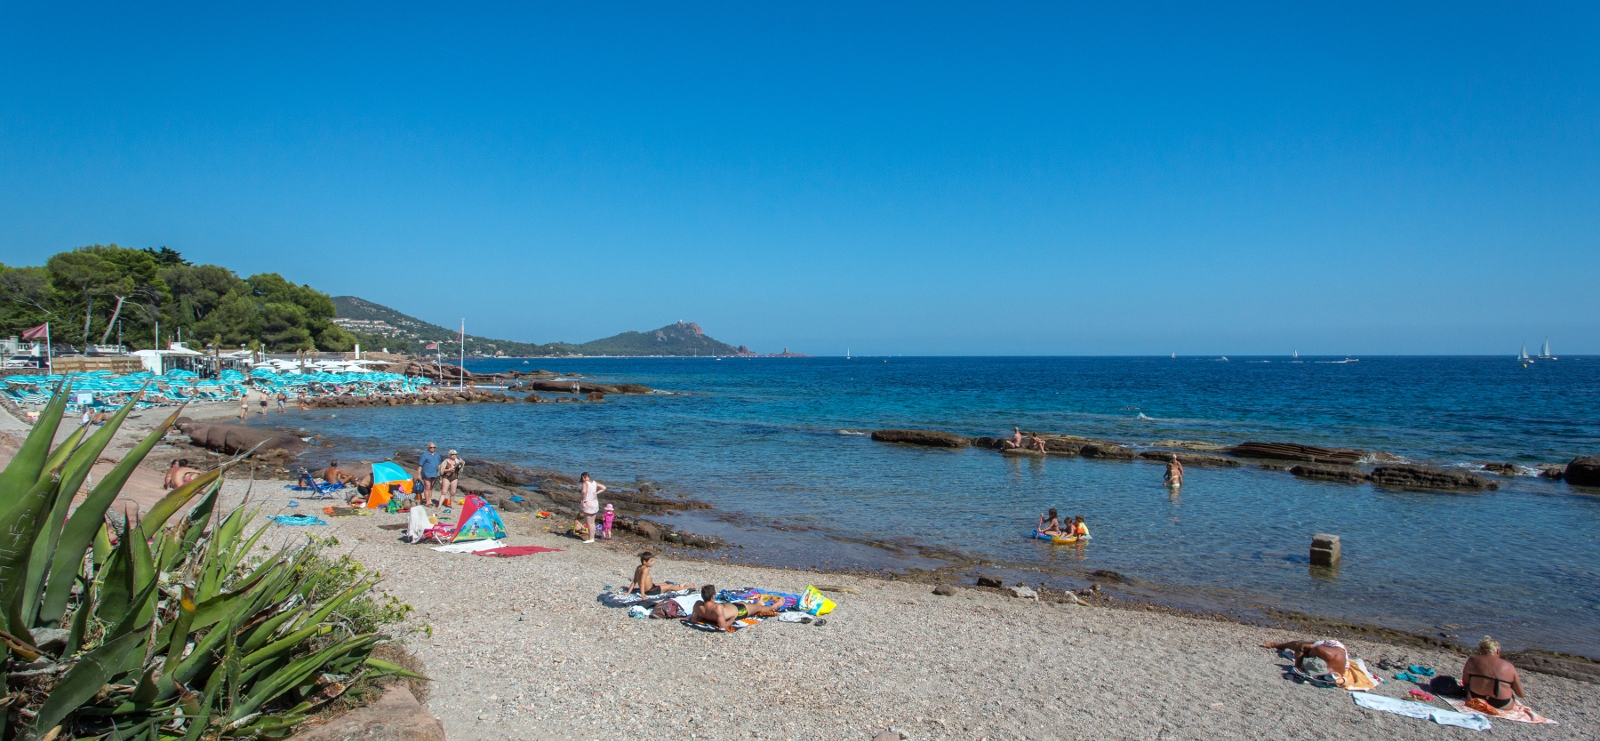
23 472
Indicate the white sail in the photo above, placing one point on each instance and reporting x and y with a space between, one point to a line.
1524 354
1544 350
1296 354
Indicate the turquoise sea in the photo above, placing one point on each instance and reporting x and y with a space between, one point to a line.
775 445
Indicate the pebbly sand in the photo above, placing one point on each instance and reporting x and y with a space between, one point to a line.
520 648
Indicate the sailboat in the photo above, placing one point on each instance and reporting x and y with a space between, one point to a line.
1544 351
847 353
1296 355
1523 356
1174 356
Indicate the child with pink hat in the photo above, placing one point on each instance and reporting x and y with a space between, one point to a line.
605 522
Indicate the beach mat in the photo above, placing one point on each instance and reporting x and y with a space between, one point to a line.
1420 711
297 520
629 599
470 546
739 624
512 551
1515 711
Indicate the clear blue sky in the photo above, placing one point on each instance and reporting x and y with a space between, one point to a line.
991 178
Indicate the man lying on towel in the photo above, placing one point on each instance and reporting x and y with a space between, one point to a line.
721 615
1326 661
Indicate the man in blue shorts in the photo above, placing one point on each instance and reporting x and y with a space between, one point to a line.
428 471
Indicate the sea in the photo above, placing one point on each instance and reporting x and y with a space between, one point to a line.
780 448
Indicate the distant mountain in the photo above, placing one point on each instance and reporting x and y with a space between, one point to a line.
379 326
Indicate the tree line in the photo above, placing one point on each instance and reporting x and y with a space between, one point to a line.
100 293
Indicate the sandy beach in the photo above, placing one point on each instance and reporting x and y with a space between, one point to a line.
521 648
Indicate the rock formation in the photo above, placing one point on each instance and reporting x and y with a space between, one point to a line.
1108 451
1406 476
1296 452
930 438
1190 459
1322 472
232 438
1583 471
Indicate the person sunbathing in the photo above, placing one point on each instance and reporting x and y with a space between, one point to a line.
363 490
179 474
722 615
1050 524
1489 678
644 585
1035 442
334 476
1326 660
1014 442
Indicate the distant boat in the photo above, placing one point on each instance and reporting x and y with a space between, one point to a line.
1174 356
1522 357
1544 351
1296 355
847 353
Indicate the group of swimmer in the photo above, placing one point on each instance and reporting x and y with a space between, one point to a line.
707 610
1032 441
1050 524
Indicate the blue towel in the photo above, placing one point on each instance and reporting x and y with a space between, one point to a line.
1420 711
298 520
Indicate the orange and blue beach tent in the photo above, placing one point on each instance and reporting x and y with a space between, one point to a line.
387 477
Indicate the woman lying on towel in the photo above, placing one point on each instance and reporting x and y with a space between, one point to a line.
721 615
644 585
1325 661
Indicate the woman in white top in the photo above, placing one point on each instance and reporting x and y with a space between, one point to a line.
591 501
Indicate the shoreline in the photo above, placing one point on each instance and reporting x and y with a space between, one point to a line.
961 569
521 648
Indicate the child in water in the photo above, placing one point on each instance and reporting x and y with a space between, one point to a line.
1049 524
1078 528
605 522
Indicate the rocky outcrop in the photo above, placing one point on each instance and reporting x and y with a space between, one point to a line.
437 396
232 438
397 716
565 387
1107 451
1555 472
1428 477
1196 445
1504 469
929 438
1296 452
1063 446
1583 471
1322 472
1190 459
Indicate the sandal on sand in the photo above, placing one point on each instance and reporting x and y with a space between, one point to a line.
820 622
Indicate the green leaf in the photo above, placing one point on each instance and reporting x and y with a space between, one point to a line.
87 521
260 634
80 626
387 668
18 529
295 674
84 680
59 455
116 581
287 643
25 468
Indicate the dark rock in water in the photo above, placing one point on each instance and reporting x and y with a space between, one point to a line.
1108 575
989 581
930 438
1552 472
1329 473
1274 466
1023 451
1504 469
1297 452
1190 459
985 442
1107 451
565 387
1583 471
945 590
1428 477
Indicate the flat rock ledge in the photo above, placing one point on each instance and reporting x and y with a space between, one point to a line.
1428 477
1318 472
929 438
397 716
1297 452
1583 471
1190 459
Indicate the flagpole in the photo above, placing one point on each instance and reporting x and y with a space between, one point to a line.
49 357
461 381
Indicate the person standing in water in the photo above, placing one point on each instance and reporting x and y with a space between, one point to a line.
1174 476
590 505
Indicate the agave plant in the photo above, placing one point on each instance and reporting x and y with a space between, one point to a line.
170 626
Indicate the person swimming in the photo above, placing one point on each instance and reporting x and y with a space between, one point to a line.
1050 524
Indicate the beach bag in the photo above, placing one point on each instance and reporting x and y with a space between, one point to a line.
813 602
668 608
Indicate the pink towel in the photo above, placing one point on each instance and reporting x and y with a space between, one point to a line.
515 550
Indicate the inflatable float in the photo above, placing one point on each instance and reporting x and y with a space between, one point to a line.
1059 539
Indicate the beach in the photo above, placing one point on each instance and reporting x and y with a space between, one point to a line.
522 648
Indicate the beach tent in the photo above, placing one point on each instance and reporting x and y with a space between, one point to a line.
387 477
479 520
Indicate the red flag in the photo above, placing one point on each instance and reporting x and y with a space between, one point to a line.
37 332
432 346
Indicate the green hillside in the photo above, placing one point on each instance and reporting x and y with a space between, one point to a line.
378 326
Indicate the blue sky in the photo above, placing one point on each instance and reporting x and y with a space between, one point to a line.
902 178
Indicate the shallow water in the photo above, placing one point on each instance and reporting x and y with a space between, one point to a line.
761 440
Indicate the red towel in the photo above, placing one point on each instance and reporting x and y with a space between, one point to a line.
515 550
